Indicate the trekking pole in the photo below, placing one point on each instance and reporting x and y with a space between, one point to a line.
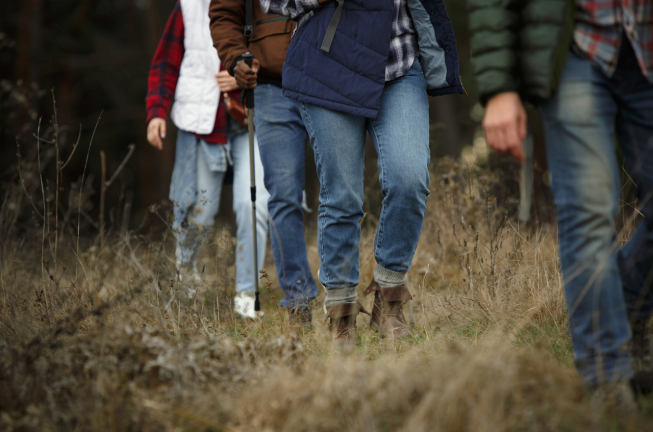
249 103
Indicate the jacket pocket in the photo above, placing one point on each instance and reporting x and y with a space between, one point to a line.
270 28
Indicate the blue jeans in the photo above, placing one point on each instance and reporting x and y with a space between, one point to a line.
400 134
604 285
282 142
195 191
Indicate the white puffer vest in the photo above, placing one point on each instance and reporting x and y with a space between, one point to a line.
197 95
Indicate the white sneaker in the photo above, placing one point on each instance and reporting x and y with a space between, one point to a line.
244 305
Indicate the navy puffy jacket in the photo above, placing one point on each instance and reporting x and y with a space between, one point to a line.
351 76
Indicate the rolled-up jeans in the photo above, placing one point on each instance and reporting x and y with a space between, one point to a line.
282 142
196 188
400 134
604 284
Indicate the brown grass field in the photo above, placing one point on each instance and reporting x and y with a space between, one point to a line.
100 338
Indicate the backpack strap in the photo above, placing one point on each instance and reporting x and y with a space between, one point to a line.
333 25
249 28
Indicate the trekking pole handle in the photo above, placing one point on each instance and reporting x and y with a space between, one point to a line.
249 93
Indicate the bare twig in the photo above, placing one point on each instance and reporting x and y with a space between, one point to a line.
22 183
81 185
38 158
132 147
106 185
103 190
56 192
79 136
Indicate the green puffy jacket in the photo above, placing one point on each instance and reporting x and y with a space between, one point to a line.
519 45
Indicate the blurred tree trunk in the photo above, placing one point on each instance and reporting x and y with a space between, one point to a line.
27 61
444 127
543 207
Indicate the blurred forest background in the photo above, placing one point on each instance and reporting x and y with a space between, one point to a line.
93 57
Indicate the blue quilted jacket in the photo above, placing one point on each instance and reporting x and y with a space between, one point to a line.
350 76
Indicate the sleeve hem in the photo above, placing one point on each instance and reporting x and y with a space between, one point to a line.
155 112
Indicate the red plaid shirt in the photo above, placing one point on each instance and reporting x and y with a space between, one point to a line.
600 25
164 73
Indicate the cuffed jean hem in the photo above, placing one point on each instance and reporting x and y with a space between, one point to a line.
339 296
388 278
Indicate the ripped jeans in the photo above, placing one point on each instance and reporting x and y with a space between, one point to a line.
195 191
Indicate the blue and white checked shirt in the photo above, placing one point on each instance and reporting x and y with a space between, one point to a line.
403 45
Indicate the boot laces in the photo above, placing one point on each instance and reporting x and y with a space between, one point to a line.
342 327
344 332
394 311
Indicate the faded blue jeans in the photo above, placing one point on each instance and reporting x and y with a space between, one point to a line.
282 142
604 284
195 191
400 134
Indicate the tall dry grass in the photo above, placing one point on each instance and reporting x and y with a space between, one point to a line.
95 333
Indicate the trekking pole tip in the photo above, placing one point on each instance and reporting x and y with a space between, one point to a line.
257 303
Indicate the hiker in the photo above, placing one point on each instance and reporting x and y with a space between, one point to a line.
282 140
209 139
357 66
591 77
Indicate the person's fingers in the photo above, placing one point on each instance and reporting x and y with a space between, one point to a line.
153 138
157 137
522 125
491 138
241 81
518 152
156 130
513 138
245 76
255 66
493 134
500 143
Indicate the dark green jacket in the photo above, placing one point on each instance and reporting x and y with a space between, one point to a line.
519 45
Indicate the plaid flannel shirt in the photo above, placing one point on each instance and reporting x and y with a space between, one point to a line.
403 45
600 25
164 73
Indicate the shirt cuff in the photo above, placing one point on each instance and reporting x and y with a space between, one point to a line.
156 111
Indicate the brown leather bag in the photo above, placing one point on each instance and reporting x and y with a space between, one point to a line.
235 109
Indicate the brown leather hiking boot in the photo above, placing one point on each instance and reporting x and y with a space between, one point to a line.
343 323
301 319
387 312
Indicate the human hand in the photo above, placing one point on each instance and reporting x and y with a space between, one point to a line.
504 123
246 76
226 82
156 130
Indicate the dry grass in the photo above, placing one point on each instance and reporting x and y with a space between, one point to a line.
108 343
